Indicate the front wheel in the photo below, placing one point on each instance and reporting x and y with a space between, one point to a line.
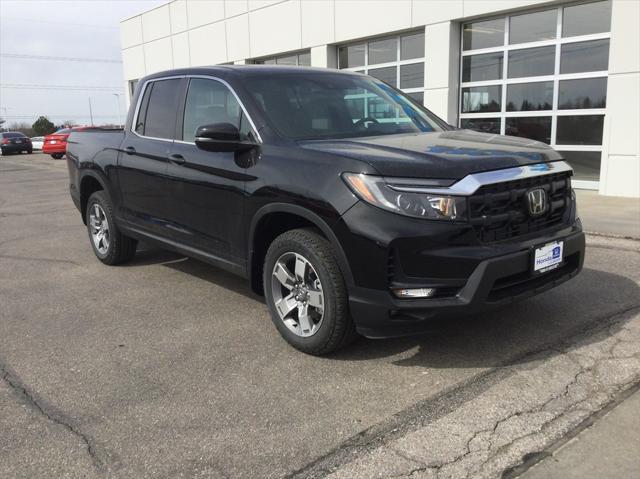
306 293
109 244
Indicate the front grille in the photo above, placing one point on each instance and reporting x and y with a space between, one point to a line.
499 212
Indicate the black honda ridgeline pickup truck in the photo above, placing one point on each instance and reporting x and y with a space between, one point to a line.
352 208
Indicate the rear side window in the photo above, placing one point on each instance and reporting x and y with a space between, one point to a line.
157 115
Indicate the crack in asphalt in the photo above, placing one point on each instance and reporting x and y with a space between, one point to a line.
614 248
35 258
609 235
531 459
56 417
431 409
542 428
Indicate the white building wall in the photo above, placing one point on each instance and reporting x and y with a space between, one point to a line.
205 32
620 170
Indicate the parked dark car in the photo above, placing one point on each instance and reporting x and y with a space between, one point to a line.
349 206
15 142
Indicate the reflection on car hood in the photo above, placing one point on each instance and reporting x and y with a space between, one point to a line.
447 154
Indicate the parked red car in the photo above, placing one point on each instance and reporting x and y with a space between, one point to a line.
55 144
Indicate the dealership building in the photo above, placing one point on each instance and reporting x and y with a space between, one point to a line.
565 73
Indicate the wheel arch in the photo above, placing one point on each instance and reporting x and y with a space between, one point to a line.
287 217
90 182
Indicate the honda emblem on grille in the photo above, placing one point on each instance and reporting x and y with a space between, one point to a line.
537 201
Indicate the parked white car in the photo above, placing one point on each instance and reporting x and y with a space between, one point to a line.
37 142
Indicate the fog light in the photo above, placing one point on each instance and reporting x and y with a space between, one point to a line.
414 293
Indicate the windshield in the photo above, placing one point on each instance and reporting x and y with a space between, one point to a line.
303 106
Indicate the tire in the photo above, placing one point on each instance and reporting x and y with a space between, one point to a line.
30 151
57 156
332 328
115 248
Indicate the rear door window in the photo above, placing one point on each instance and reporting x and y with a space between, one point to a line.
157 114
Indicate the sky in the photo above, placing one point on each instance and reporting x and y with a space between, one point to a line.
78 29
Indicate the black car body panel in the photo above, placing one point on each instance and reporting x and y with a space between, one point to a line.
447 154
219 206
14 142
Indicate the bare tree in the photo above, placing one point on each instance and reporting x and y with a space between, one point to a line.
22 127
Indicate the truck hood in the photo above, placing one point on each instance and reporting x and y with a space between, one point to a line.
441 155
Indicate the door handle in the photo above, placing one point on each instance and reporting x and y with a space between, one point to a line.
177 159
130 150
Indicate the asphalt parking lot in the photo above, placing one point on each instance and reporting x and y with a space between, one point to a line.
168 367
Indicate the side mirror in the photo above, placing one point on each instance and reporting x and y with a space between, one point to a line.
222 137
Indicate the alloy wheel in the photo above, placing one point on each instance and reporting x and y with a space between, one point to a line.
297 294
99 228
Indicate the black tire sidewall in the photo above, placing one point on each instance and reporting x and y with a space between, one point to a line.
322 337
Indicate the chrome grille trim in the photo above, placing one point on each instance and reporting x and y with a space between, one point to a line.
468 185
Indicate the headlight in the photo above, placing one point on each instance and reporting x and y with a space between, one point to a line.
376 191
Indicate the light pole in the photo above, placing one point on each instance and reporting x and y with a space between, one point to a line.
90 111
117 95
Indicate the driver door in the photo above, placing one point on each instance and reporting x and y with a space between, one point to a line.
206 189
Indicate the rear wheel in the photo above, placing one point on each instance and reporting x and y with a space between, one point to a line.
57 156
109 244
306 293
30 151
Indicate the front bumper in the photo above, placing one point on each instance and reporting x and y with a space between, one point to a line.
470 276
494 283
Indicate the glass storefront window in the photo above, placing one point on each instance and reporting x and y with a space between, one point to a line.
481 99
482 67
533 127
583 93
412 46
412 75
585 57
531 62
302 59
547 80
586 19
485 34
533 27
585 164
398 61
351 55
291 60
417 96
580 130
383 51
386 74
530 96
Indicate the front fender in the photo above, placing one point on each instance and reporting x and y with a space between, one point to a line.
308 215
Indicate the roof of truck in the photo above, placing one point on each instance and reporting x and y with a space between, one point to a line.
248 70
